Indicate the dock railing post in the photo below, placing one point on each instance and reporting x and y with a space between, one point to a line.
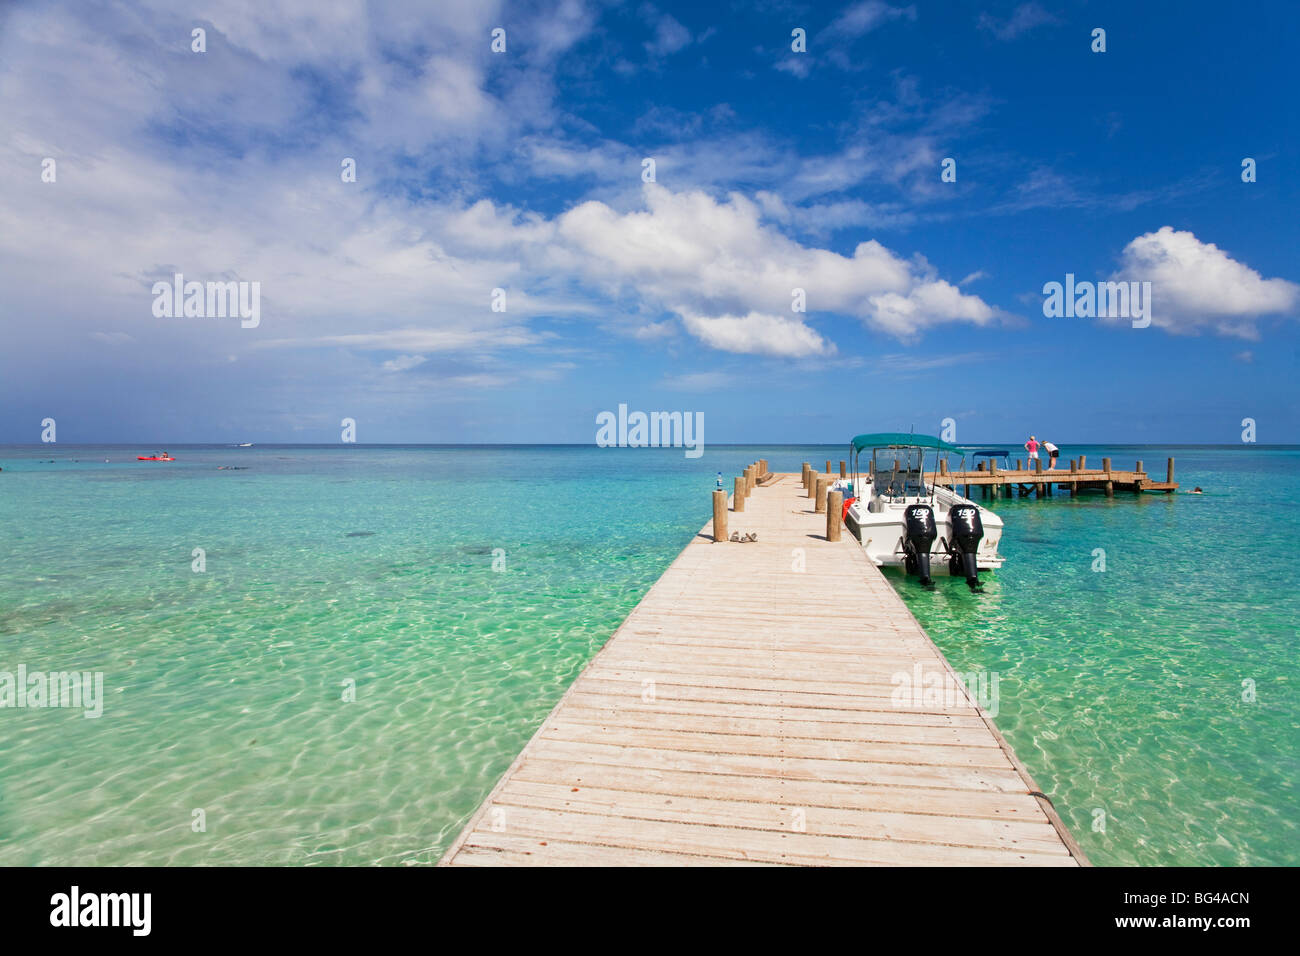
738 496
720 515
834 510
823 486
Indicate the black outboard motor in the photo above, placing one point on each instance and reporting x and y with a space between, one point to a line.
967 532
918 537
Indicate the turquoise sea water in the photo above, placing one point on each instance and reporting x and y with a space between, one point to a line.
328 568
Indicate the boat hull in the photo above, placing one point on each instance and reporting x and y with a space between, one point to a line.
881 532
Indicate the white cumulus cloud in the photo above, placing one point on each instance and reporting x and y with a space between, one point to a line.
1196 286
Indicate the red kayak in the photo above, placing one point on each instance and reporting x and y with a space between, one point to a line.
154 458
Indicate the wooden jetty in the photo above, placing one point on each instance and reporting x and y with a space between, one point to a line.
996 482
748 712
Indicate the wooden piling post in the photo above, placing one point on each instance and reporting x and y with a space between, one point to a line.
806 469
749 481
1083 462
1110 484
823 486
1169 476
812 484
720 515
834 510
828 466
738 496
844 469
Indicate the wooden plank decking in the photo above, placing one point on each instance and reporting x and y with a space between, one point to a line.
742 714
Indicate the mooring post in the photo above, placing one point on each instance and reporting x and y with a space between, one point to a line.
1110 484
804 479
844 469
823 486
1169 476
812 484
1038 469
720 515
738 496
1083 462
828 466
834 508
749 481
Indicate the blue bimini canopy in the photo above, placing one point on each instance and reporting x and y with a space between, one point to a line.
889 439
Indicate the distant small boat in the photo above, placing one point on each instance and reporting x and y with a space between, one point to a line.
245 444
154 458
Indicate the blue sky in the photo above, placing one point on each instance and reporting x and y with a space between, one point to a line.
523 171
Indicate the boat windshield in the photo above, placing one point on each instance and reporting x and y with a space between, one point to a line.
897 471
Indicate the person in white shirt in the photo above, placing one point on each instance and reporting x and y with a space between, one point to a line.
1052 453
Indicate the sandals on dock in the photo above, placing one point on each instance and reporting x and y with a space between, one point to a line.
748 537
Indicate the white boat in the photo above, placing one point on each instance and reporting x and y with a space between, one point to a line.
904 521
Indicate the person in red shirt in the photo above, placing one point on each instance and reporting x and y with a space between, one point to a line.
1031 446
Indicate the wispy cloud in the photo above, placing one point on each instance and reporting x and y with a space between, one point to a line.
1023 19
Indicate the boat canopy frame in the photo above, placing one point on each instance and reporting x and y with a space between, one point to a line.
923 443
